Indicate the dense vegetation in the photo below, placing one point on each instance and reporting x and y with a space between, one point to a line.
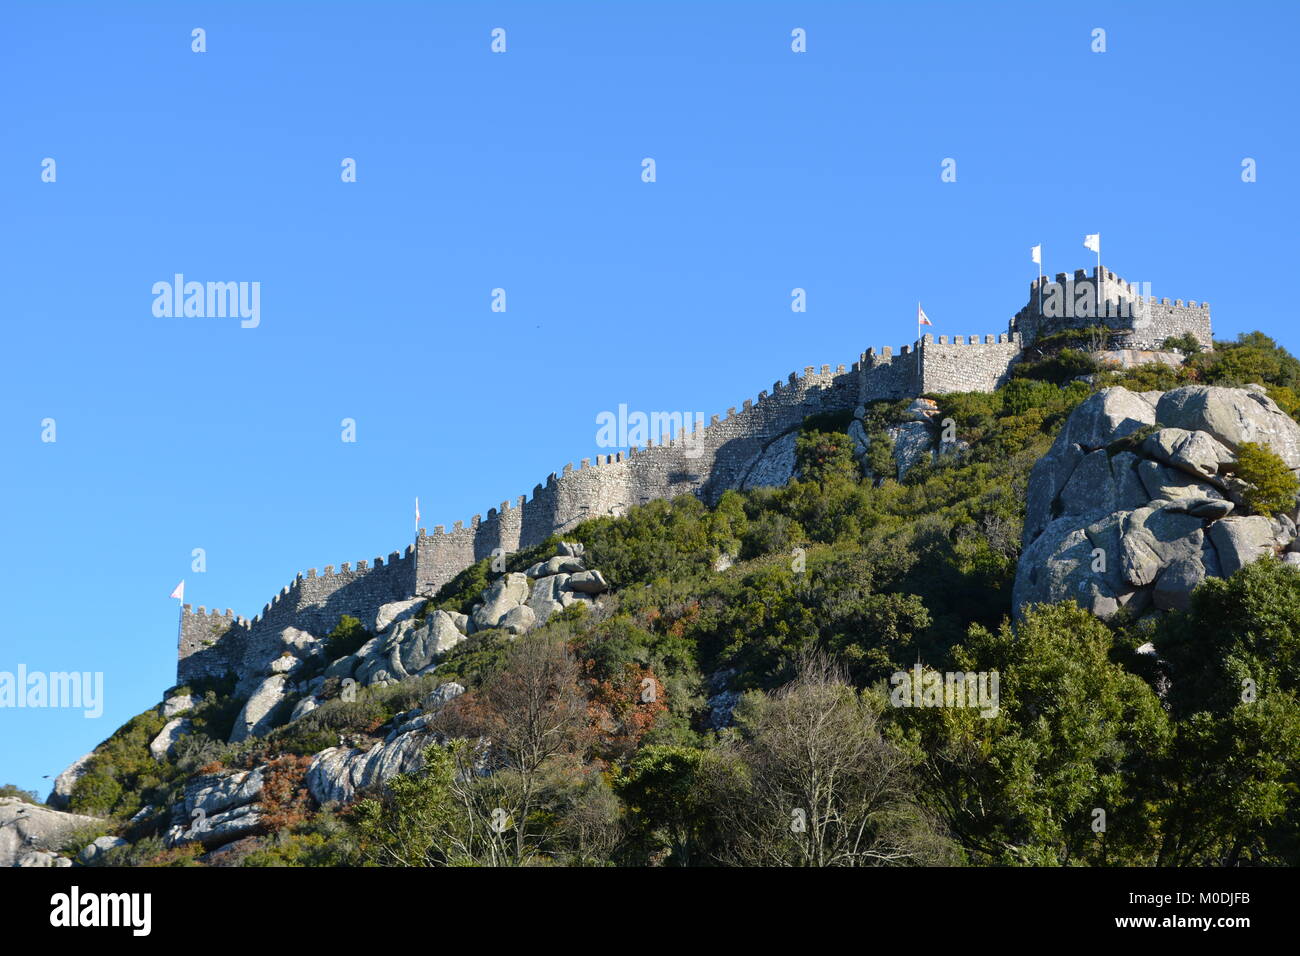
731 701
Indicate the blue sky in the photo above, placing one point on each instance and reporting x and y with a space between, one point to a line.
522 171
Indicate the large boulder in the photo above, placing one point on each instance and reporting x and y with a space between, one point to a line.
217 808
1153 537
395 611
338 773
440 695
1105 417
587 582
775 465
518 620
1165 483
258 712
1197 453
913 443
33 833
95 849
505 594
1091 488
1140 523
172 731
1233 416
1241 539
547 596
177 704
61 792
422 647
560 564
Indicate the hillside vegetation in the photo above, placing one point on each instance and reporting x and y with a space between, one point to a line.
730 701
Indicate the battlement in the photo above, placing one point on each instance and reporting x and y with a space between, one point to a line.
677 455
1137 319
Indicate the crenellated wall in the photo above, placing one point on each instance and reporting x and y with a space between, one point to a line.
967 366
703 461
212 644
1104 299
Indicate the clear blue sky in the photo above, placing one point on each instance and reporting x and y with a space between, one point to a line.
523 171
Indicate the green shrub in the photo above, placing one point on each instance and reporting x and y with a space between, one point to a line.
825 456
1187 344
1273 487
11 790
347 638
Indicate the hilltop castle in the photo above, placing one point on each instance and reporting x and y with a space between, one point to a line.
746 448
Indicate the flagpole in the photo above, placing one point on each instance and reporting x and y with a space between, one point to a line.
1040 279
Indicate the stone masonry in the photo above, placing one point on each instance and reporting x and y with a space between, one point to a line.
704 462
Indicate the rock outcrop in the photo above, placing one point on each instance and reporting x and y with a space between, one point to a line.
174 730
1120 519
61 792
408 642
916 439
217 808
30 835
337 773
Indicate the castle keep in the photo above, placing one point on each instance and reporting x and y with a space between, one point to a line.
745 448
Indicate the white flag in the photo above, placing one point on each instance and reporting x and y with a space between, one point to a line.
921 317
1037 254
1093 242
417 512
179 591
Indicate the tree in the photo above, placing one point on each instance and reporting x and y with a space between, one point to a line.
1239 629
414 822
531 710
661 789
1074 733
813 783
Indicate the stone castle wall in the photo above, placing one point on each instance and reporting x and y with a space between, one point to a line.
706 461
1104 299
213 644
966 366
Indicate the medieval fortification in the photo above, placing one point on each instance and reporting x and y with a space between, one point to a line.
725 454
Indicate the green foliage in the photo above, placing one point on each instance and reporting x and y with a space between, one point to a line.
1071 735
669 819
880 454
12 790
462 592
324 840
122 775
1064 366
1273 487
347 638
1186 343
73 841
1245 628
1022 394
824 457
1254 357
679 539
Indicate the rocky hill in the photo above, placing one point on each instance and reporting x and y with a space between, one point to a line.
1104 554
